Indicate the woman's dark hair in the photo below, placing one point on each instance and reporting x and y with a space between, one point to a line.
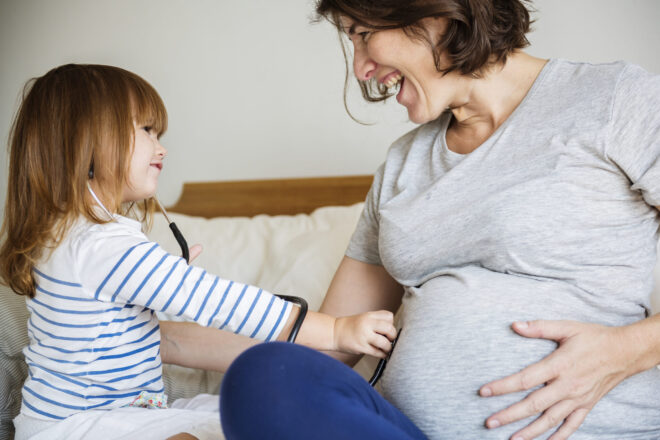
479 33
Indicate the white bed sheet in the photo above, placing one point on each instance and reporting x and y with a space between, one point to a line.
198 416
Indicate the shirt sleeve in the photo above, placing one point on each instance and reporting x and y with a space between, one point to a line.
363 245
122 266
634 135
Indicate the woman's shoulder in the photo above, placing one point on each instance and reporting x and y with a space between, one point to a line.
596 76
584 93
625 90
636 83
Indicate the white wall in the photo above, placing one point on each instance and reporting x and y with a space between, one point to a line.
252 88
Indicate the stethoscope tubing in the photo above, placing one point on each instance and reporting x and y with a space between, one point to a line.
178 236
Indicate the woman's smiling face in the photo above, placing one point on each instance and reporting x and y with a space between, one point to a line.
392 57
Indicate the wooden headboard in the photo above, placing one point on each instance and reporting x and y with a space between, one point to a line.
274 197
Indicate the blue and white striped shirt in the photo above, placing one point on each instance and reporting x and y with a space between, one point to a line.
94 336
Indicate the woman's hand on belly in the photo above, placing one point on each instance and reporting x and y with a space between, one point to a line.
590 360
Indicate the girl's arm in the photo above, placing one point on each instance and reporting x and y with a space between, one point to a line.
189 344
356 288
359 287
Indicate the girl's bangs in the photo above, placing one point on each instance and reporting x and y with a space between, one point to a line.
148 108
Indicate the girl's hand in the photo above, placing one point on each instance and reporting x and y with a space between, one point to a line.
368 333
194 252
590 360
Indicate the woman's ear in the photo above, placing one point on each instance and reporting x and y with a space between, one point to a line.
436 27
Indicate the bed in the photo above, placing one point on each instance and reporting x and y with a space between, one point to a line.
285 235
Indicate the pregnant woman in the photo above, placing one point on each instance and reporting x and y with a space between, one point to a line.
517 226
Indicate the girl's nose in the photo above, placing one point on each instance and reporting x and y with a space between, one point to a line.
363 66
161 151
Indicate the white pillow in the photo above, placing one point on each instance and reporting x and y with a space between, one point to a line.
292 255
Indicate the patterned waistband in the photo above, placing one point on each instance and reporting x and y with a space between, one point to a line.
150 400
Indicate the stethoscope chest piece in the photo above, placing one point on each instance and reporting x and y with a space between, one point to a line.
383 362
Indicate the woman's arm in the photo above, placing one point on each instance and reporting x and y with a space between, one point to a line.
590 361
191 345
359 287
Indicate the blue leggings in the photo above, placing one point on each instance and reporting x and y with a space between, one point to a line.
285 391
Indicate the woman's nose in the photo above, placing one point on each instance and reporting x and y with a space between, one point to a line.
363 66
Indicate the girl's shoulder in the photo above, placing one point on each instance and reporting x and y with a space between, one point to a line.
90 252
85 229
83 244
86 237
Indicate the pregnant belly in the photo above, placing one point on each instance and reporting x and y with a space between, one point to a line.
456 336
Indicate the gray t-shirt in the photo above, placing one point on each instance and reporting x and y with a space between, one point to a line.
552 217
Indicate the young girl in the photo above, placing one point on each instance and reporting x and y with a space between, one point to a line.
84 149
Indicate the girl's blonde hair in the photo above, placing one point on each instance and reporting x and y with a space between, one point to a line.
74 122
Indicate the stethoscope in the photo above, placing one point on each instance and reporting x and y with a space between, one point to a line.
185 254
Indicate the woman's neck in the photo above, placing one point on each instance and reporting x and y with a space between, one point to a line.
491 99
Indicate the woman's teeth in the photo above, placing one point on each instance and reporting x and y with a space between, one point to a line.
394 81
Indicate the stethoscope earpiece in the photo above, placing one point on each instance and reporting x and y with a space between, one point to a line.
91 191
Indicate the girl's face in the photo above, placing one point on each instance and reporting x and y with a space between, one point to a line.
146 164
391 57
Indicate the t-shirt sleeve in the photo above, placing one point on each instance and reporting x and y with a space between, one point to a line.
363 245
122 267
634 136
